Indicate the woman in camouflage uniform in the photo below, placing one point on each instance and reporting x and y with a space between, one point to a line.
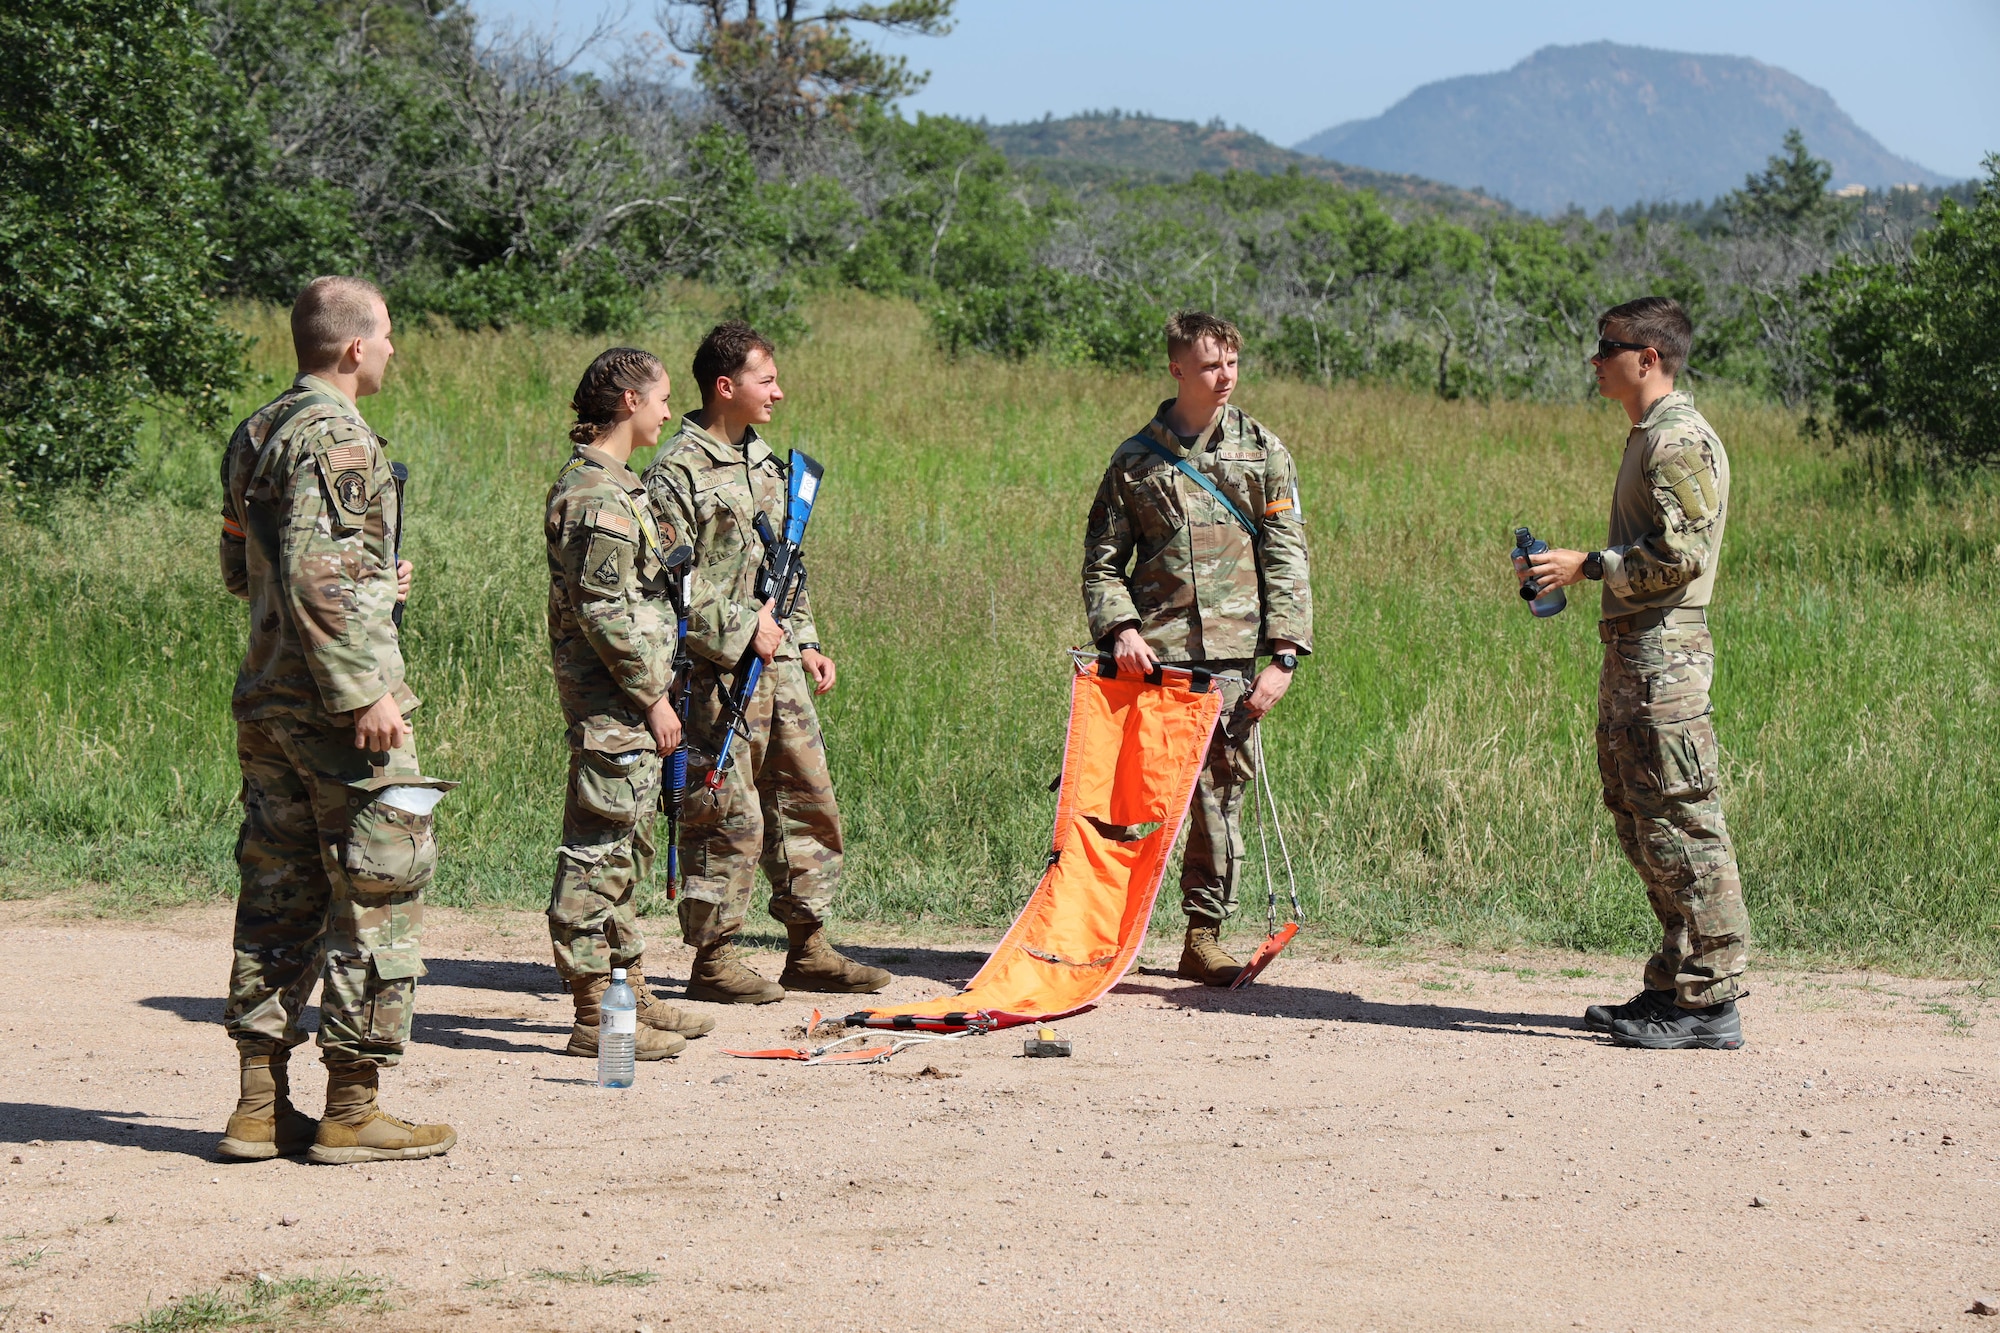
611 635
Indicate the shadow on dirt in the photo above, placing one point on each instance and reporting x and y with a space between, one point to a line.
466 1032
56 1125
1341 1007
463 1031
496 975
950 966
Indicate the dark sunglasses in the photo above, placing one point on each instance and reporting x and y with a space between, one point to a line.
1607 346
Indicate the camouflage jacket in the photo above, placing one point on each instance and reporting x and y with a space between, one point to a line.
309 522
711 493
1199 587
611 623
1667 512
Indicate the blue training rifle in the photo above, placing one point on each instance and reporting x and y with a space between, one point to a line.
780 580
677 766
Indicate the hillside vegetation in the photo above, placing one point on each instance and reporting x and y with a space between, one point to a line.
481 178
1604 126
1433 761
1105 146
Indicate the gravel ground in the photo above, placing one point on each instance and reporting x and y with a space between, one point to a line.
1394 1141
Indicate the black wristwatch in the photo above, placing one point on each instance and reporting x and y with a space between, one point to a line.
812 647
1285 661
1593 566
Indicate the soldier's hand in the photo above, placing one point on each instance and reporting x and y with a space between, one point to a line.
665 724
1556 569
404 572
1266 690
1132 652
769 633
379 728
820 667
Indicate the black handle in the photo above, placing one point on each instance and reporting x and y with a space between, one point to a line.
402 476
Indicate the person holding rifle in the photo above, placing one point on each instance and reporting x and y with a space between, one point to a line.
612 638
774 803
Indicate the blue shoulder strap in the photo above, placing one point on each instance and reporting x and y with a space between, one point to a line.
1189 471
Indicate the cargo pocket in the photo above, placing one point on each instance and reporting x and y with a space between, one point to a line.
392 999
391 840
1681 758
617 772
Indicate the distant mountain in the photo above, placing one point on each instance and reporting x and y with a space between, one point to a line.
1100 146
1605 125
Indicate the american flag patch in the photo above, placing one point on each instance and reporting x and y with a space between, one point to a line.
610 522
347 458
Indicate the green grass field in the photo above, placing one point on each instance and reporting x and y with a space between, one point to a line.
1433 759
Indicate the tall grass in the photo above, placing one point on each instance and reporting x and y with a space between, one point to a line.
1433 759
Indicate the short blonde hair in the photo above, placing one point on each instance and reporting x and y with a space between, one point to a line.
330 313
1185 328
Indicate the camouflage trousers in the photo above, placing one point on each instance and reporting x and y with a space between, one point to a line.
332 885
1213 858
775 807
607 848
1656 754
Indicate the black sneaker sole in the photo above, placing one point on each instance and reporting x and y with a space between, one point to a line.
1706 1042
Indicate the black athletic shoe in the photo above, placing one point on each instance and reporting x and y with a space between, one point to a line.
1716 1028
1600 1017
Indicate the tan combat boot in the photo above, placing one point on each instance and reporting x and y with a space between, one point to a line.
647 1043
355 1129
265 1124
814 965
1203 958
720 977
656 1012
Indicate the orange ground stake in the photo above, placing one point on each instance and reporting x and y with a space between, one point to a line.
1134 751
1266 951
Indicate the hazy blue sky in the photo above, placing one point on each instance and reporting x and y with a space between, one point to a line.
1918 75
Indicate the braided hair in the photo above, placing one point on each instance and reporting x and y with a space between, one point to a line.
601 391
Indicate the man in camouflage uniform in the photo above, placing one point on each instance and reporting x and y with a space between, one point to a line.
1656 751
336 845
1175 573
709 483
611 635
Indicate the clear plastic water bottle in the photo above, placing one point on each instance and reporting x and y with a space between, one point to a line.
1543 604
617 1030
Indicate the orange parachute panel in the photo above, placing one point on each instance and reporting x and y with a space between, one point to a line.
1134 751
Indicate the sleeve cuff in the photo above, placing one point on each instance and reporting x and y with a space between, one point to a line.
359 695
1113 615
1615 578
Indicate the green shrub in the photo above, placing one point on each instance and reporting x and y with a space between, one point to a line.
105 248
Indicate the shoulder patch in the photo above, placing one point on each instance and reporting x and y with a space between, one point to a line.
351 490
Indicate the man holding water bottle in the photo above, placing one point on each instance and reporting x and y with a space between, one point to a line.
1656 750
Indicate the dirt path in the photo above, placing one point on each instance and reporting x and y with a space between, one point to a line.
1419 1143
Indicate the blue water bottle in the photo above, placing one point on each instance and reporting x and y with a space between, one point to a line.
1543 604
617 1032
